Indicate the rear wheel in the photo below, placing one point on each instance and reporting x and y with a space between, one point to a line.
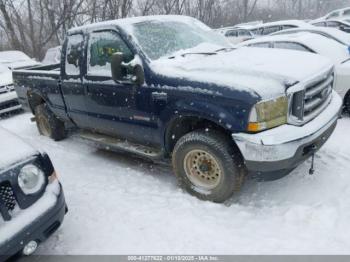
208 166
48 124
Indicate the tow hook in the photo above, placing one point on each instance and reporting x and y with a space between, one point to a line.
312 169
33 119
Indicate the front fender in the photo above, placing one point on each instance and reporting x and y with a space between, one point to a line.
233 119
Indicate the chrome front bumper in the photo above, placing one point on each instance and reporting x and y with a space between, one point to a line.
273 149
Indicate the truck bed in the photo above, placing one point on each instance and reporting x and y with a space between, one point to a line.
40 77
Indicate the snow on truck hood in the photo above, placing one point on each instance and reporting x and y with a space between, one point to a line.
265 72
13 149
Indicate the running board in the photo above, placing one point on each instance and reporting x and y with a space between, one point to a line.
118 145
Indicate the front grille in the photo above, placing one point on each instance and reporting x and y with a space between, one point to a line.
7 197
310 102
6 89
9 104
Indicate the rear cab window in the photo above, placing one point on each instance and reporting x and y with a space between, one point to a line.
74 54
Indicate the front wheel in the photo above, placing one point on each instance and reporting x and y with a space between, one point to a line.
208 166
48 124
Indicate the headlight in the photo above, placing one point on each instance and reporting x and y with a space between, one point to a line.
268 114
31 179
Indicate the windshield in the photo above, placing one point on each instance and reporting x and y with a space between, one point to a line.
164 38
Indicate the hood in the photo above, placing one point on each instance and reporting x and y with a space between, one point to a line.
262 71
16 149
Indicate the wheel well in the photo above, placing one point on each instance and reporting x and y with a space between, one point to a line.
34 100
184 125
347 102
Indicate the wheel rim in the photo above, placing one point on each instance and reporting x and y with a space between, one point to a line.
44 126
202 169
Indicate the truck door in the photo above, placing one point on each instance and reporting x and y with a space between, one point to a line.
71 82
114 107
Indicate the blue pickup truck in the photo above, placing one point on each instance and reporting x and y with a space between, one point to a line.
169 88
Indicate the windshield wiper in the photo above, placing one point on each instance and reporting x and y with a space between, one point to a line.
198 53
225 49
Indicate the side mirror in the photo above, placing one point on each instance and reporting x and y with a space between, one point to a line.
116 67
123 71
139 75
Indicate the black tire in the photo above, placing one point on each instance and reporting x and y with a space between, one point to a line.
226 157
48 124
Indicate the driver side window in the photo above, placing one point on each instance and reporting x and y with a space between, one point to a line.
102 45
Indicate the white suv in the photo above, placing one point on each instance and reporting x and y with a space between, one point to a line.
8 97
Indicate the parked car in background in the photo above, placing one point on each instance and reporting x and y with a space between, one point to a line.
236 35
32 204
16 60
8 97
314 43
338 24
215 111
331 33
343 13
252 23
52 56
273 27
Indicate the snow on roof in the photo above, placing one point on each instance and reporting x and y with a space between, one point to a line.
297 23
340 35
319 44
14 149
125 23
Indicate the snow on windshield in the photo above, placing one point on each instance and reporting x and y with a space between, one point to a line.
164 38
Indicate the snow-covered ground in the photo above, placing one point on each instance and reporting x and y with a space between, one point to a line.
121 205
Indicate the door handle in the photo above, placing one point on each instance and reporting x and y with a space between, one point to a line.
160 96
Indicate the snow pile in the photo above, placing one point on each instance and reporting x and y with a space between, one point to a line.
121 205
